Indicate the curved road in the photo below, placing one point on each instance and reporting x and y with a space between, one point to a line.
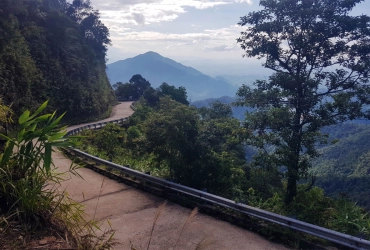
131 212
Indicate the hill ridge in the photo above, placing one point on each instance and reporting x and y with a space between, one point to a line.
158 69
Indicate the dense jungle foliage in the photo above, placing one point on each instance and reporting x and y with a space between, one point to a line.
204 148
343 166
53 49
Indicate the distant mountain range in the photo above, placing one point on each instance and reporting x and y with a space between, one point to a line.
238 112
158 69
239 80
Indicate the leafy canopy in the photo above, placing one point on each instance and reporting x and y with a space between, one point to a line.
320 56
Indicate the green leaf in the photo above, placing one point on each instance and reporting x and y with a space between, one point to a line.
29 147
42 118
53 124
56 121
33 128
21 134
24 117
64 143
26 124
56 136
40 109
5 137
7 153
47 157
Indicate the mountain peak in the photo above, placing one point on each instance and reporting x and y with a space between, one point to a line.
151 54
158 69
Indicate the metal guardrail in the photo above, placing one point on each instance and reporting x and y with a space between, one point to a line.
95 126
320 232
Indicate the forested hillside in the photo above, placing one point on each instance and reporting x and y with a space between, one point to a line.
238 112
343 167
52 49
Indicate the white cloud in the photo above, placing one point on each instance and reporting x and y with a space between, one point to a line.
138 26
250 2
153 11
221 48
223 34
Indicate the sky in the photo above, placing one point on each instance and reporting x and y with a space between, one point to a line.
197 33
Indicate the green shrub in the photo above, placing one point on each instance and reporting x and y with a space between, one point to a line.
349 218
314 207
109 139
311 206
29 184
25 165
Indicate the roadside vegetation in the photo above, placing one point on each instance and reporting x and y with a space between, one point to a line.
203 148
34 211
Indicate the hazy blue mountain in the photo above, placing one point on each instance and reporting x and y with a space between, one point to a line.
239 80
158 69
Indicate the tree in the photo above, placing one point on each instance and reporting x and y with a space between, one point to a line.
140 83
46 51
178 94
134 89
171 133
217 110
203 154
88 19
151 96
320 56
124 90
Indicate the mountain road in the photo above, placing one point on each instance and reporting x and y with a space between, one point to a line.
131 212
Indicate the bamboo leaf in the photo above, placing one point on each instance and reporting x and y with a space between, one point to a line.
57 136
7 153
64 143
5 137
20 135
40 109
33 128
26 124
42 118
52 125
56 121
47 157
24 117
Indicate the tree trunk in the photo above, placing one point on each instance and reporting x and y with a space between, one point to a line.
291 190
293 157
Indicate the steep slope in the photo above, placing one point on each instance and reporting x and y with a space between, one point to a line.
343 167
46 54
157 69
